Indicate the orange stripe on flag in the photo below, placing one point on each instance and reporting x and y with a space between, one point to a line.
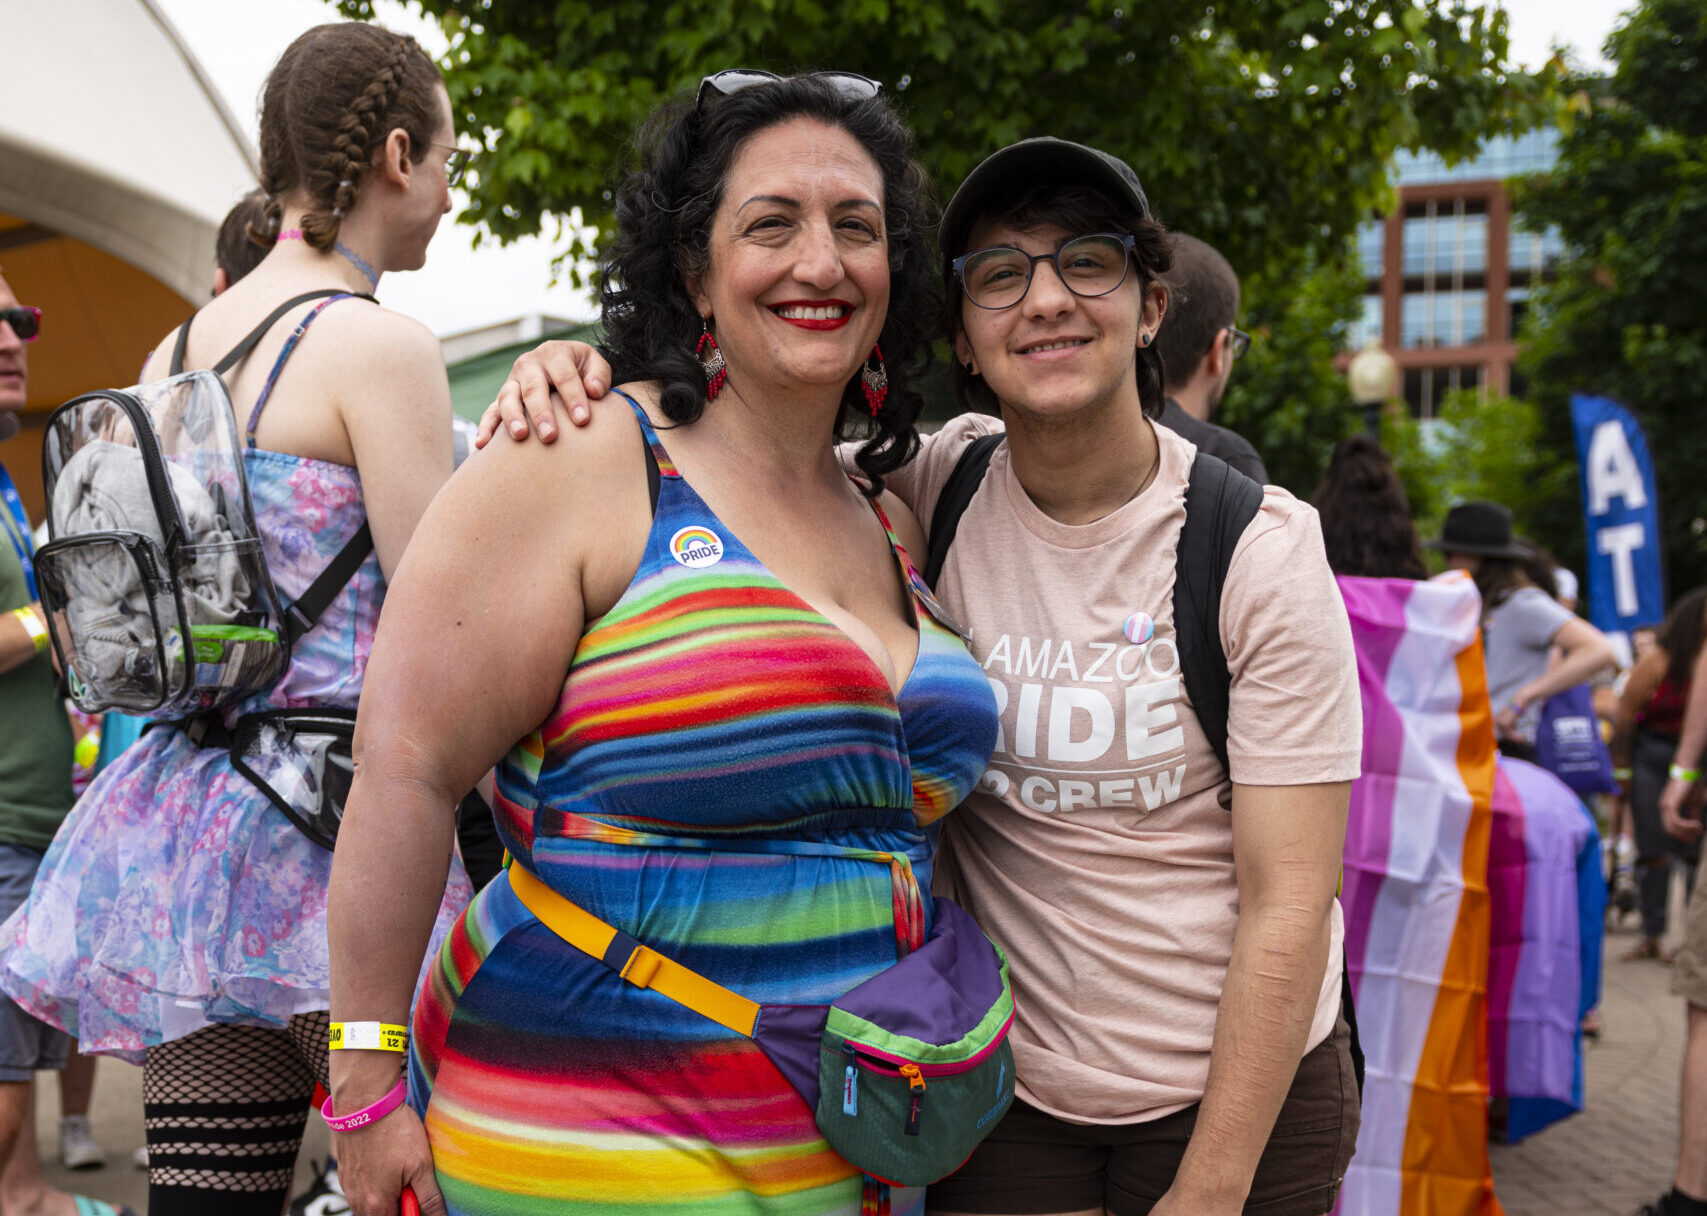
1446 1169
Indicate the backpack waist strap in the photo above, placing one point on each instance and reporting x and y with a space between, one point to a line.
639 964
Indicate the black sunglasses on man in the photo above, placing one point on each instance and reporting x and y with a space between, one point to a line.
25 321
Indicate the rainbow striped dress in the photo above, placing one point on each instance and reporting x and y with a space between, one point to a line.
727 777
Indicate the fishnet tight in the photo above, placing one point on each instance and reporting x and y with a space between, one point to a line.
225 1109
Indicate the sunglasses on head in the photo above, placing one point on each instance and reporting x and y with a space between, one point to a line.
850 85
25 321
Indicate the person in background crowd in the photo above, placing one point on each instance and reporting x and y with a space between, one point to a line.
216 971
241 244
1522 623
236 253
1644 740
1681 815
1366 518
1198 343
35 794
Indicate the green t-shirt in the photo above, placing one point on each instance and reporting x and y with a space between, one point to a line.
35 734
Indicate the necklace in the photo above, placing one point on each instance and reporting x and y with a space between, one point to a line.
349 255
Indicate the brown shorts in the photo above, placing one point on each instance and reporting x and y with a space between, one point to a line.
1036 1163
1689 976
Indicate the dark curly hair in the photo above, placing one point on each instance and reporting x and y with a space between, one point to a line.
1366 518
1078 209
331 99
664 209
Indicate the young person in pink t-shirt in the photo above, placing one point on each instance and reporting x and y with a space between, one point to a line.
1171 926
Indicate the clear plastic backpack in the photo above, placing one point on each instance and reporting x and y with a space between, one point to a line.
154 583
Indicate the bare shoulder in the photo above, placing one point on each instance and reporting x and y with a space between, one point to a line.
584 497
378 334
158 364
608 447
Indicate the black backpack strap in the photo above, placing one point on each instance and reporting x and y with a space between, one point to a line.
1220 503
301 615
180 346
951 504
240 352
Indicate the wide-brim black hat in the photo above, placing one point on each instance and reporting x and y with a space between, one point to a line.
1479 528
1043 159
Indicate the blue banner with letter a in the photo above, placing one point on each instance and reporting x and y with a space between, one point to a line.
1621 512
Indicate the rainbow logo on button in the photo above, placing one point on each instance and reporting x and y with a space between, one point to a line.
696 547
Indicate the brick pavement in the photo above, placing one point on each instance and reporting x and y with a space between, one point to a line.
1618 1153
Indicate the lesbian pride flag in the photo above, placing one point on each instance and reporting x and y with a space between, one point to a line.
1417 914
1473 900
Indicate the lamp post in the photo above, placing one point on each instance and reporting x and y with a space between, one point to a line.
1370 374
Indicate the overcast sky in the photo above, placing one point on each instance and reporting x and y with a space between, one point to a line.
462 287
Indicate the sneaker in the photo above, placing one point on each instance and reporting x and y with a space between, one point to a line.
325 1197
77 1147
140 1157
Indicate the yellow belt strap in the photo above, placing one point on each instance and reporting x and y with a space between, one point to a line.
640 965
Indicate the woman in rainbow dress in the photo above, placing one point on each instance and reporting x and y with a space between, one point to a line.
731 738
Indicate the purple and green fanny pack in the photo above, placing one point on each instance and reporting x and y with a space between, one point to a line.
910 1070
905 1073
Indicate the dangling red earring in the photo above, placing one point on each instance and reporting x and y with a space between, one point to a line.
874 380
712 364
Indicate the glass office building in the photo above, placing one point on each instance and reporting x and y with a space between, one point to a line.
1447 274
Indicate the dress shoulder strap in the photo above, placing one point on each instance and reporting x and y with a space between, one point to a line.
284 354
658 462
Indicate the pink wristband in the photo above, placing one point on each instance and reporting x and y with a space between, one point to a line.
367 1114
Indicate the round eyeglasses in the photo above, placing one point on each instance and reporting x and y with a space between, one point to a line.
999 277
456 164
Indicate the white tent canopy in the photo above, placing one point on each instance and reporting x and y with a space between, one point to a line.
114 135
118 160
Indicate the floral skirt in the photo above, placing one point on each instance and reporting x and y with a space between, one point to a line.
176 896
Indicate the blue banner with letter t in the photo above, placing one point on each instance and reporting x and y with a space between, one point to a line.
1621 512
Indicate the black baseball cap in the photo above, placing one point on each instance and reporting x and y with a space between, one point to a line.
1016 166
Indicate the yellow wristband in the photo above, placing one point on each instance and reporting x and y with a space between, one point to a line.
32 625
368 1036
1678 773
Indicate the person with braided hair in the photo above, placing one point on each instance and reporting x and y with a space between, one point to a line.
179 917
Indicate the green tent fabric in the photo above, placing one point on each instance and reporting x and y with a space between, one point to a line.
474 383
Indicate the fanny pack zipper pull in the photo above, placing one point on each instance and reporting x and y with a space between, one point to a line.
916 1083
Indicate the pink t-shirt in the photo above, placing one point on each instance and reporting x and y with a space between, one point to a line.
1098 849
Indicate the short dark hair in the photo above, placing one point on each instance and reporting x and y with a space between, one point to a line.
1204 301
664 209
1078 209
1366 517
237 252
